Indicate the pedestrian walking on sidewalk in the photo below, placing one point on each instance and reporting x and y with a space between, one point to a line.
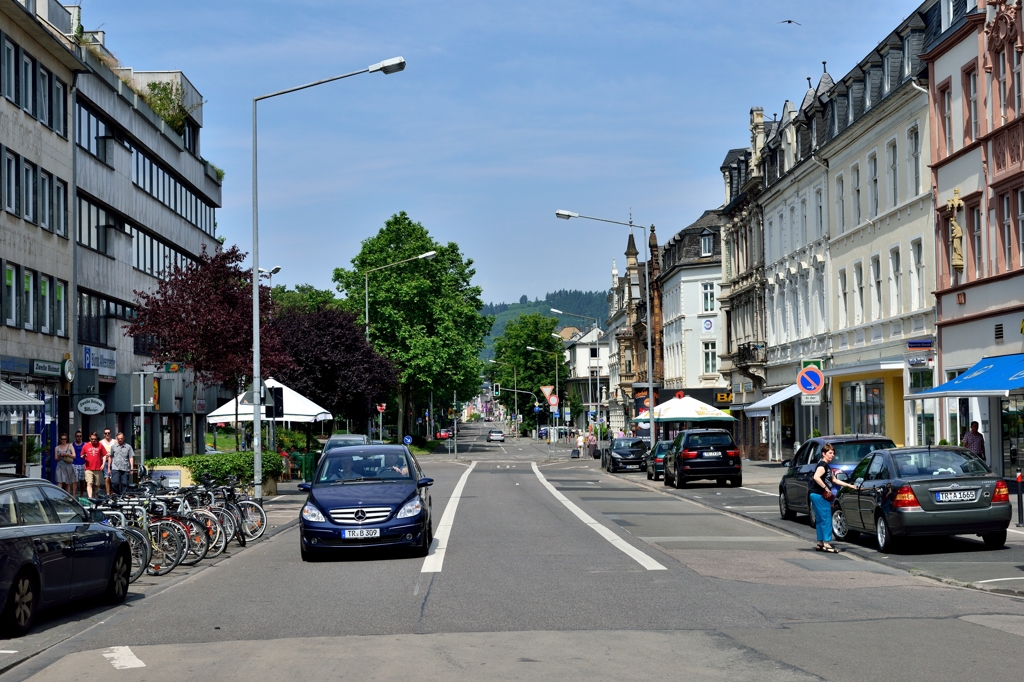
64 455
591 445
822 497
95 459
79 463
122 464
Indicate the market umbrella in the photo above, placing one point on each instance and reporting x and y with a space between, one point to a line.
687 409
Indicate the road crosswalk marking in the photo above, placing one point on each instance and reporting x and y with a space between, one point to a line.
122 658
435 560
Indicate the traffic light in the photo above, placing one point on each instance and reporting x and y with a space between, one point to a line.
497 390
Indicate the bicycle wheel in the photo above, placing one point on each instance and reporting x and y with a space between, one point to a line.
236 516
227 522
216 537
254 519
198 543
167 547
139 546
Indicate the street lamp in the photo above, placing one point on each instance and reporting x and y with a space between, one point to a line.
515 389
566 215
366 316
387 66
270 275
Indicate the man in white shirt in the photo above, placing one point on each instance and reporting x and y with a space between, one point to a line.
108 443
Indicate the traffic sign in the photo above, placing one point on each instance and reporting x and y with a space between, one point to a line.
536 408
554 412
810 380
407 440
553 400
547 390
808 399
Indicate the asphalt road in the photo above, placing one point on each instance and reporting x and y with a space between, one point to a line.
553 570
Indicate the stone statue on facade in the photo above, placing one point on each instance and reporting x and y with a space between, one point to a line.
956 233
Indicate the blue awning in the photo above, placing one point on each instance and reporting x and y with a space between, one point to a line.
992 377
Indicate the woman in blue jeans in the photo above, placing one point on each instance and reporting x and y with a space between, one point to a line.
823 481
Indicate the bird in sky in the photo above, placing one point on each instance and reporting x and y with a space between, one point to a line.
790 21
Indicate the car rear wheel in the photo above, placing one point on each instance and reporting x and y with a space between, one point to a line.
650 474
720 482
840 529
994 540
665 480
736 481
812 518
784 511
22 602
680 481
883 536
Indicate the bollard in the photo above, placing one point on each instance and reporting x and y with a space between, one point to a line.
1020 501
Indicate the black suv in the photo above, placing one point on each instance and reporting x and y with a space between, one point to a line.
703 454
794 488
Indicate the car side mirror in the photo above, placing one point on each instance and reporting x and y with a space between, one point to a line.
305 487
425 482
787 463
841 476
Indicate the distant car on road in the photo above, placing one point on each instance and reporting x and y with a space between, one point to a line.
923 491
53 551
363 497
704 454
851 449
443 434
495 436
655 459
344 440
625 453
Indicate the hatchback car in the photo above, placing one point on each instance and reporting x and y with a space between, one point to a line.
656 459
795 486
344 440
363 497
495 436
704 454
624 453
443 434
52 551
923 491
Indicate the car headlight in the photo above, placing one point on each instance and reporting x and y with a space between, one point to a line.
616 455
311 513
410 508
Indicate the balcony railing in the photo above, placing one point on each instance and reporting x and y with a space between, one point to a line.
751 353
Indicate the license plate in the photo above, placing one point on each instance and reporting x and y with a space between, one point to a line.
363 533
710 454
956 496
632 466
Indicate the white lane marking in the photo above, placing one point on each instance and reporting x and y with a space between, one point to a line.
617 542
122 658
275 499
997 580
435 559
8 651
718 538
1019 532
755 490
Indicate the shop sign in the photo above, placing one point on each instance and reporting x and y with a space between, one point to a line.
46 368
708 326
915 344
15 365
723 397
91 405
101 359
173 368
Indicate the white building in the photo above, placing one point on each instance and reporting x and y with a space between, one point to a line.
587 356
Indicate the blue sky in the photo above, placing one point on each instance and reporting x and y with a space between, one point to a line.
506 112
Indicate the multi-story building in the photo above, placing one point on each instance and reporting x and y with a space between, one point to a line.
37 76
145 203
688 284
977 145
623 301
586 353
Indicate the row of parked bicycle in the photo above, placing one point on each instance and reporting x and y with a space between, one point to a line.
167 528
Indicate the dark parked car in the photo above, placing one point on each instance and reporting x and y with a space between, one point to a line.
704 454
625 453
794 488
923 491
52 552
366 496
655 459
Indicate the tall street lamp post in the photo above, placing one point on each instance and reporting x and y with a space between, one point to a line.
388 66
557 355
566 215
515 389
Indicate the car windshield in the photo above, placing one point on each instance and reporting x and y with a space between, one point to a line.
662 447
339 467
344 441
938 463
853 453
628 444
709 440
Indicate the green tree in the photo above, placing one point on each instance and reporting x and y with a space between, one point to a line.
305 298
424 314
533 368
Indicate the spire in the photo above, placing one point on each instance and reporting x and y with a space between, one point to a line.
631 251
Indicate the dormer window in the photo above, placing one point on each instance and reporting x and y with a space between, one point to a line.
867 90
707 244
835 116
814 133
906 56
799 145
849 109
885 72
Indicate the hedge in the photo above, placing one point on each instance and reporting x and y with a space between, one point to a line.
222 465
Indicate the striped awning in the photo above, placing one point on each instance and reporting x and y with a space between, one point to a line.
15 402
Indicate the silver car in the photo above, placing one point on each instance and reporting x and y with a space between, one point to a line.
495 436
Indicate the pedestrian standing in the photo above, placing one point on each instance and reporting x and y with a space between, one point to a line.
108 443
822 497
591 445
79 462
64 455
122 464
974 441
95 458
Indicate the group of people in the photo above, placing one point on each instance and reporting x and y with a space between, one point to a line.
105 464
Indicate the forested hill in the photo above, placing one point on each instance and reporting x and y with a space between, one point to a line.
590 303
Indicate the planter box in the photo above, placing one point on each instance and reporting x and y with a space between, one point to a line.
270 487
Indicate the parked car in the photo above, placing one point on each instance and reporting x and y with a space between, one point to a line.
655 459
911 491
443 434
624 453
363 497
495 436
794 488
703 454
53 551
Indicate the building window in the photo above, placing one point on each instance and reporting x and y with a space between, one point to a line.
867 90
710 357
29 188
863 407
1007 234
91 132
45 87
93 222
1001 70
849 109
876 288
841 204
894 186
872 186
61 309
28 292
920 380
976 240
914 145
44 304
707 245
906 56
7 74
917 274
818 217
60 208
92 319
1020 228
844 302
947 119
814 133
1016 83
858 294
708 296
11 297
45 200
895 284
855 173
799 144
885 72
153 179
11 183
60 108
972 106
28 84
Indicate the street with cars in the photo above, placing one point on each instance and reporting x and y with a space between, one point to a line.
544 567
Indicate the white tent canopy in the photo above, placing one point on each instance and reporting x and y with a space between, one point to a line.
297 408
15 401
687 409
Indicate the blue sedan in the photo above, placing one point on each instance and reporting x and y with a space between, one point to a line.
363 497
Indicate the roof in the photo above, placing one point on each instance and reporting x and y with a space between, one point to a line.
733 155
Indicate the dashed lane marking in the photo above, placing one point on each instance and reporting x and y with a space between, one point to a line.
618 543
122 658
435 560
755 490
7 651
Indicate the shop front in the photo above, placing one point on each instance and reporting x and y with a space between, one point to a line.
44 380
869 402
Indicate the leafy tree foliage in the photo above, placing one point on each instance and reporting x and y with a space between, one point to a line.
590 303
533 369
304 297
424 314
